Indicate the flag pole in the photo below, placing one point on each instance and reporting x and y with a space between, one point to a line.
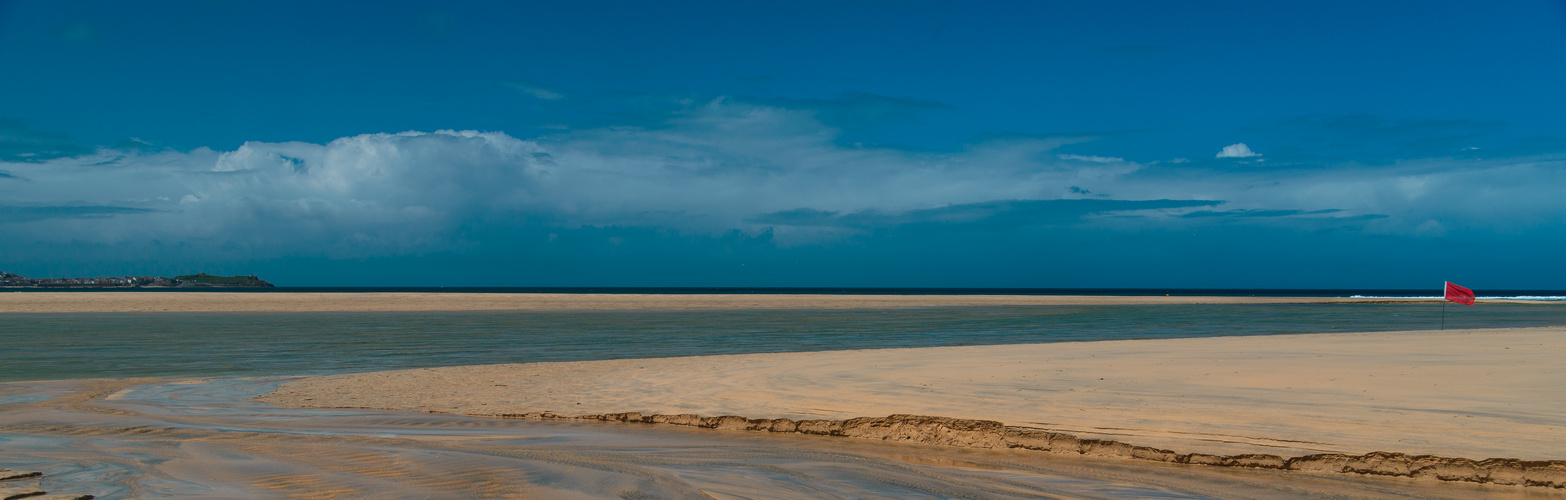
1443 305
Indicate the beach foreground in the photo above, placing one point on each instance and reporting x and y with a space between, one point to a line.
160 301
203 439
1471 394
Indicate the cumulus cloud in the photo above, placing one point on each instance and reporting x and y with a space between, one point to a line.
712 169
1238 150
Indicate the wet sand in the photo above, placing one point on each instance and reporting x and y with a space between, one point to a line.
1473 394
71 302
204 439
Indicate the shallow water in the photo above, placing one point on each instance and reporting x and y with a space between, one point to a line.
90 345
204 439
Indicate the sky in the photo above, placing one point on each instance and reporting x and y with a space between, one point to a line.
793 144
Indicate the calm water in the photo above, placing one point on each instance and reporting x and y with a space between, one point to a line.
60 346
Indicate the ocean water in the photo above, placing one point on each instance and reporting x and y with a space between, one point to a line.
106 345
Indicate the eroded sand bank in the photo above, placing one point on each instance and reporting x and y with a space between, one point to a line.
70 302
1472 394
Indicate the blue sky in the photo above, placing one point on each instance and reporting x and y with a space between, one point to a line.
926 144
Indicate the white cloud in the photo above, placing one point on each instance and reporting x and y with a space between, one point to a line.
1239 150
1093 159
710 170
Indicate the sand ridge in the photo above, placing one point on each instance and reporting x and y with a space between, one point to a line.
1460 393
208 301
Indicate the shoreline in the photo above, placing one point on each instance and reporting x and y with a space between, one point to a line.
1437 404
85 302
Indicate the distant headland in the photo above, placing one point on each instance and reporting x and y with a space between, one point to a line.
199 280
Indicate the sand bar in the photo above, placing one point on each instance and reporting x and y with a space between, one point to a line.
1460 393
71 302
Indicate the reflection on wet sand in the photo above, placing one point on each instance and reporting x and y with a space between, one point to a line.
122 439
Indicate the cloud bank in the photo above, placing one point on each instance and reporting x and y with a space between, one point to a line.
716 169
1239 150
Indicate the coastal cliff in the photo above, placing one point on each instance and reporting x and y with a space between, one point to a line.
199 280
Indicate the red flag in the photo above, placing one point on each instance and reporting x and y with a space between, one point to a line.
1459 294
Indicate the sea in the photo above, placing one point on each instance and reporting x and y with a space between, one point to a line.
43 346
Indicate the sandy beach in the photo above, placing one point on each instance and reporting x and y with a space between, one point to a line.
70 302
203 439
1473 394
1458 405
